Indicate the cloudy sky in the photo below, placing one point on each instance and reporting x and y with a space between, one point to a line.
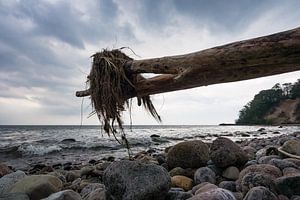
45 48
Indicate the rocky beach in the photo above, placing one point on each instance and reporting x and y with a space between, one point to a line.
249 169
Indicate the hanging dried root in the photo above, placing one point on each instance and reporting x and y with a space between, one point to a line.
110 87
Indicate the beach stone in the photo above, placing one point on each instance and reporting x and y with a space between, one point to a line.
87 170
37 186
290 170
293 160
205 188
196 187
64 195
283 197
133 180
183 172
214 194
14 196
260 193
288 185
182 182
189 154
214 168
90 187
292 147
225 152
7 181
250 162
98 194
4 169
178 195
281 164
204 174
228 185
102 166
231 173
266 159
270 170
58 175
68 140
72 175
250 151
238 195
254 179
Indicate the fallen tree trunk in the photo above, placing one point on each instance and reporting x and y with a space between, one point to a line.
254 58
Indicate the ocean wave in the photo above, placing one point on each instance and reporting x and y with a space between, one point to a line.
30 149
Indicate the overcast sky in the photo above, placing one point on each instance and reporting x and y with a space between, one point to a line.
45 48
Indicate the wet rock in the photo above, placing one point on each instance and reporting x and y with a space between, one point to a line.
260 193
231 173
183 172
250 162
37 186
266 159
91 187
64 195
214 194
4 169
133 180
205 188
178 195
204 174
228 185
14 196
292 147
281 164
225 152
182 182
189 154
261 129
288 185
7 181
254 179
154 136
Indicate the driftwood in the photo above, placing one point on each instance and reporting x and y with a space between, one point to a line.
259 57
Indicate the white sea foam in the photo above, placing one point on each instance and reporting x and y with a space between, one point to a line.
29 149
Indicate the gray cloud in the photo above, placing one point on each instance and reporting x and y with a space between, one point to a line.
43 44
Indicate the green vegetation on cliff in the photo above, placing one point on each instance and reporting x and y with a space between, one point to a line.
254 111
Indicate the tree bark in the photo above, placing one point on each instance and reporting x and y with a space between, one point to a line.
254 58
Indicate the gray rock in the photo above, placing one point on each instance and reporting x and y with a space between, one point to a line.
288 185
72 175
250 151
254 179
250 162
228 185
260 193
64 195
290 170
90 187
214 194
7 181
98 194
37 186
206 188
183 172
281 164
225 152
196 187
133 180
14 196
231 173
189 154
292 147
204 174
4 169
266 159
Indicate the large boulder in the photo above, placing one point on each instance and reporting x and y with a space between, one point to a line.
189 154
133 180
214 194
288 185
14 196
7 181
37 186
225 152
292 147
254 179
260 193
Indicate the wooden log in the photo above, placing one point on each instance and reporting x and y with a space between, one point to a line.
254 58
